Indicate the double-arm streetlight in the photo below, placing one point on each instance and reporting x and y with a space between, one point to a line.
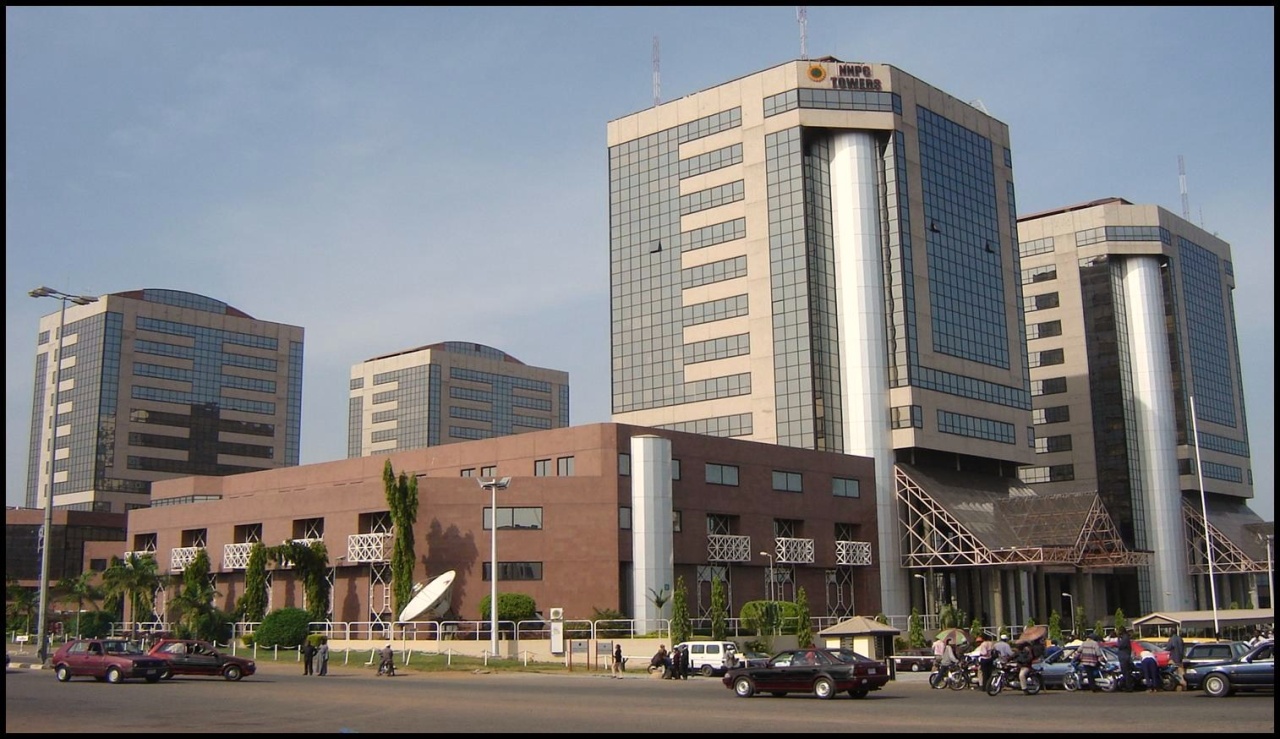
493 484
46 531
1071 604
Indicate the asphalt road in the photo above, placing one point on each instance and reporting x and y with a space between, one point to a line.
352 699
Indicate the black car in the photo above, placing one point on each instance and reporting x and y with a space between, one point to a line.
823 672
1203 653
1256 670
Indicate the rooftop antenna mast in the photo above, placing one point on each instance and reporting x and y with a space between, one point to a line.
657 76
1182 186
802 17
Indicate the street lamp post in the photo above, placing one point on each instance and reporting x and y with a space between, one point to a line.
46 531
1071 604
924 585
493 484
770 556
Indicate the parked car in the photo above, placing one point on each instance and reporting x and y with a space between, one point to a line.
751 659
1255 670
914 660
1137 646
196 657
1205 652
1055 667
824 672
709 658
112 660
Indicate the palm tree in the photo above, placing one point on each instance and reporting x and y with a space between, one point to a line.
20 602
81 588
133 581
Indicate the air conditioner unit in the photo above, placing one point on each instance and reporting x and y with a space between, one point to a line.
557 614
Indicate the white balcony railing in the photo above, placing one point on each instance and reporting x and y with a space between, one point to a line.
853 552
793 551
236 556
370 547
180 557
726 548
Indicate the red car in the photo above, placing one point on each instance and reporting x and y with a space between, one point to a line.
112 660
197 657
1137 647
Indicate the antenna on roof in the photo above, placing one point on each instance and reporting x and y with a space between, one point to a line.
1182 186
657 76
802 17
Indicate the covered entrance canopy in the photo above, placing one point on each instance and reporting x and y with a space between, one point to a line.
1188 620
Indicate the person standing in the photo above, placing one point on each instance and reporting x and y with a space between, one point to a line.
617 660
1089 656
322 657
308 657
1150 671
986 656
1177 653
1024 657
1124 654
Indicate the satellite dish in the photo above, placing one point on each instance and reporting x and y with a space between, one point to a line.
430 599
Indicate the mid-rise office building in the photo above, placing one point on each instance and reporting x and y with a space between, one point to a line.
156 384
824 255
449 392
1131 329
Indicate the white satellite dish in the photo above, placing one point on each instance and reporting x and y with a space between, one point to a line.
430 599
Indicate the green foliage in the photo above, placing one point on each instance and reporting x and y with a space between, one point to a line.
20 606
719 610
948 616
804 620
1030 622
81 588
1055 627
1078 621
133 581
311 563
975 626
881 618
681 626
96 623
659 598
284 627
511 607
192 609
316 640
1120 620
252 605
915 629
402 501
766 617
611 630
1098 629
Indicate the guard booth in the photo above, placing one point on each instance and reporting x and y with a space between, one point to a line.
865 636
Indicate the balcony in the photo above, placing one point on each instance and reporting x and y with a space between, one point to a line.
284 563
853 552
236 556
180 557
725 548
374 548
789 551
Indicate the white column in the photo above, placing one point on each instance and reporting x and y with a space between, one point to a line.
651 546
1153 403
864 380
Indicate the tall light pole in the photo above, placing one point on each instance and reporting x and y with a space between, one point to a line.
1071 604
924 585
46 532
493 484
1271 580
770 556
1204 511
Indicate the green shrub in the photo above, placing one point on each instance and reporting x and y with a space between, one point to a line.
511 607
755 615
286 627
96 623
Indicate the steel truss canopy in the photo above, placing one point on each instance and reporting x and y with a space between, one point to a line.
1237 537
960 519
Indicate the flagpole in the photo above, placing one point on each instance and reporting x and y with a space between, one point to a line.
1204 511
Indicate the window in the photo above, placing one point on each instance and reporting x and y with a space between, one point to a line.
787 482
1050 444
515 518
308 528
490 471
542 468
1054 414
722 474
624 517
675 469
676 521
97 565
845 487
564 466
514 571
624 465
469 472
195 537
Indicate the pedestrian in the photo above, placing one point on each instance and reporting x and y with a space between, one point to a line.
308 657
1150 671
660 663
1024 657
1124 654
1177 653
1088 657
985 653
322 657
684 662
617 660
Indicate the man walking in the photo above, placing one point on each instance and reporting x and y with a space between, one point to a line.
1177 653
1088 656
308 657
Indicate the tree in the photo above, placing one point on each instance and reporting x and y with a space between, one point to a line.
311 563
975 626
804 620
252 606
719 610
192 609
659 598
132 581
1119 620
402 502
81 588
284 627
1055 627
514 607
20 604
915 629
681 629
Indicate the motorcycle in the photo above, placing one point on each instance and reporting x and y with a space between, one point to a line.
1006 676
1114 679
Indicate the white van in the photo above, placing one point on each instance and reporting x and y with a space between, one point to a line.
709 658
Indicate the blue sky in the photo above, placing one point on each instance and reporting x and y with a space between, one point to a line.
393 177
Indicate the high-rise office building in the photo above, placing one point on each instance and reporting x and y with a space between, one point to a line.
1131 325
449 392
823 255
157 384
